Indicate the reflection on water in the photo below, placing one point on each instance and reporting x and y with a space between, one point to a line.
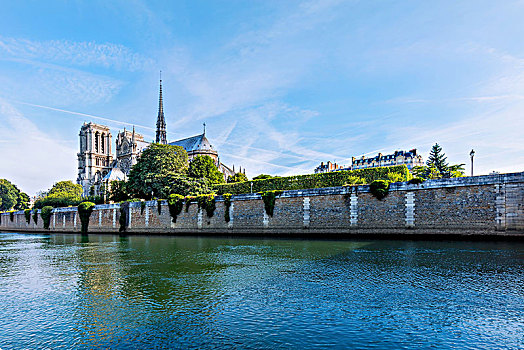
106 291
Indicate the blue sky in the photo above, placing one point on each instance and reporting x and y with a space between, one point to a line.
281 85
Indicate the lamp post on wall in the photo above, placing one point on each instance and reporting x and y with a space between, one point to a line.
472 154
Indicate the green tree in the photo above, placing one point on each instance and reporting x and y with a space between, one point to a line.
62 194
150 176
11 197
203 167
437 166
66 188
437 159
238 177
118 192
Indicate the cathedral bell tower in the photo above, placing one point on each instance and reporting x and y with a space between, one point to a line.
95 157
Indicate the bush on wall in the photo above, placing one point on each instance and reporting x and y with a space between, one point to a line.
46 215
269 200
416 181
35 216
331 179
207 202
84 212
175 203
227 205
379 188
189 199
159 206
27 213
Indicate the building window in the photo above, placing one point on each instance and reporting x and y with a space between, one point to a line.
97 135
102 143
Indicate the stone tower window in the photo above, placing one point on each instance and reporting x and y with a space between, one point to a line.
97 135
102 143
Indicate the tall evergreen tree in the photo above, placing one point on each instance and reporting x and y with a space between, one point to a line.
437 159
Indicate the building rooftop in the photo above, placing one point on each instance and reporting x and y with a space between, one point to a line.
194 143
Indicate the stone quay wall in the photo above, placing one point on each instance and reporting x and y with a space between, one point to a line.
491 205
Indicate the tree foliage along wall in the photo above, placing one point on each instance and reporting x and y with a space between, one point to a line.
203 167
157 166
62 194
11 197
298 182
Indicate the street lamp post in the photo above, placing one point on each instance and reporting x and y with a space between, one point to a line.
472 154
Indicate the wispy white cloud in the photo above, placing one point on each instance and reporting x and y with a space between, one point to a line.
71 53
30 157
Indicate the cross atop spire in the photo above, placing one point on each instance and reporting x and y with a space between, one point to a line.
161 121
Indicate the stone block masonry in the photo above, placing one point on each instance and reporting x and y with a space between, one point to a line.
491 205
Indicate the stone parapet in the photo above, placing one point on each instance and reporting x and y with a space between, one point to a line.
491 205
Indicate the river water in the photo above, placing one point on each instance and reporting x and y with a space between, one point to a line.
103 291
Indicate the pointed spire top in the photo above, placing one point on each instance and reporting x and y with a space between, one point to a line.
204 129
161 122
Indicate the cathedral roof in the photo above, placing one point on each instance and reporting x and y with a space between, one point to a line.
194 143
114 174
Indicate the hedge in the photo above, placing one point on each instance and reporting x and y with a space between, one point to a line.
298 182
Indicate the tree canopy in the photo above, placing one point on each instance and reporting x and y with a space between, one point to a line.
262 177
203 167
11 197
62 194
158 164
66 188
238 177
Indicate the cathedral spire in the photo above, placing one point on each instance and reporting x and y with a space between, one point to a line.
161 122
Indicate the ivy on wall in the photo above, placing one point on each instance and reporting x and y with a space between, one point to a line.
416 181
269 200
159 206
175 203
207 202
12 216
35 216
379 188
27 213
142 207
46 213
227 205
189 199
84 212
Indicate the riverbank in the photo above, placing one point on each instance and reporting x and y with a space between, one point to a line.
490 206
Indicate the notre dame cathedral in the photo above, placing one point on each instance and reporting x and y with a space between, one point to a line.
97 166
